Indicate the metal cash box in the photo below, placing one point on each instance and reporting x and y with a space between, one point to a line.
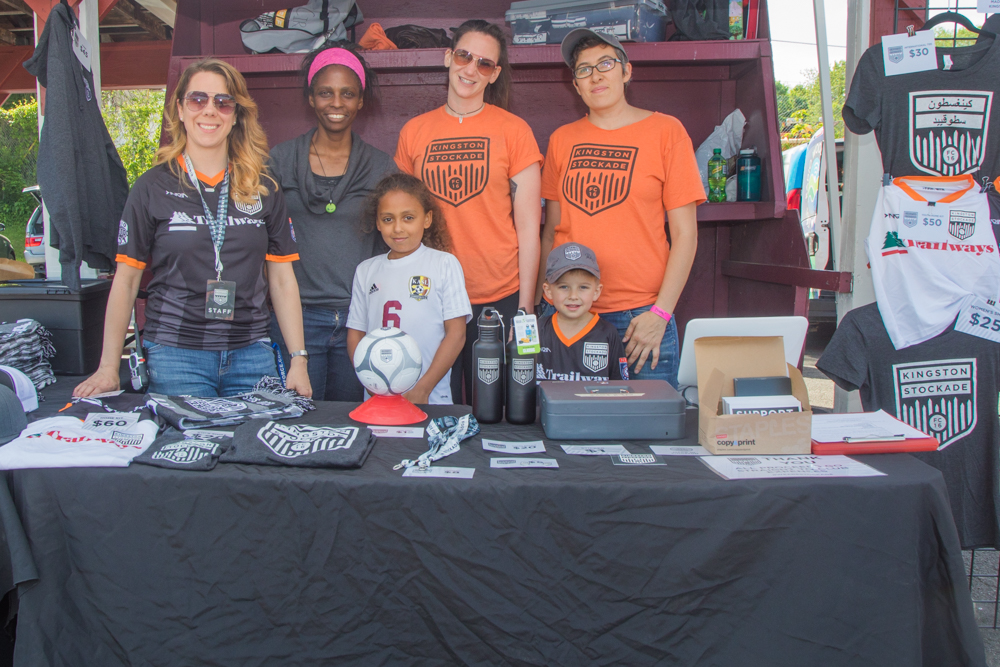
615 410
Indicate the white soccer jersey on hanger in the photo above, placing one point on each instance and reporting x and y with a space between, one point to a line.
931 247
416 293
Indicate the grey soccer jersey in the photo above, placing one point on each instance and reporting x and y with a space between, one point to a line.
596 353
164 224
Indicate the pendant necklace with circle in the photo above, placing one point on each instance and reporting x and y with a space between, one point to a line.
330 207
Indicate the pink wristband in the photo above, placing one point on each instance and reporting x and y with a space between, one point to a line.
656 310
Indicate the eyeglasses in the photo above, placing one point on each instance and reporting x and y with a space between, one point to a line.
197 100
603 66
463 58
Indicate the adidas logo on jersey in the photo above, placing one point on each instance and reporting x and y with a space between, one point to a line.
372 289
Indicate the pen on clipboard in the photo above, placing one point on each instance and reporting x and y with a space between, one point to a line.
883 438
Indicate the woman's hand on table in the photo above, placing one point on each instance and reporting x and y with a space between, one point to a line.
642 339
102 381
298 377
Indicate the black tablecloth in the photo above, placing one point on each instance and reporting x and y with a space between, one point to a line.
588 564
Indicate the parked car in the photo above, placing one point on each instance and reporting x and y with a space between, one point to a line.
34 235
794 160
814 214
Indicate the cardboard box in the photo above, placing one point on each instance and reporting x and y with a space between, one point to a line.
719 360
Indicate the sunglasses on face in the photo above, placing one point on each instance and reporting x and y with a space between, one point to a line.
197 100
463 58
586 70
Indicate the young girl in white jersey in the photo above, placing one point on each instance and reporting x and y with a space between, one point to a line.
418 286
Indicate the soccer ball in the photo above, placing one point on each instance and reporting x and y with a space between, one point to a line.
388 361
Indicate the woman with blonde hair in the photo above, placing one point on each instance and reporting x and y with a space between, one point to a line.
206 220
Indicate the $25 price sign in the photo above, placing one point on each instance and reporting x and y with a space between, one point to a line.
980 318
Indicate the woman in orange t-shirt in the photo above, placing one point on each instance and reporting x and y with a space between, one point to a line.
483 162
609 178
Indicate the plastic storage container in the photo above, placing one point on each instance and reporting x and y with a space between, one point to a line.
616 410
75 319
547 22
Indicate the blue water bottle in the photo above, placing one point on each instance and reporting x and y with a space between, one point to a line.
748 176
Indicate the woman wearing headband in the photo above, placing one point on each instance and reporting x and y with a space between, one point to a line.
325 175
483 163
206 220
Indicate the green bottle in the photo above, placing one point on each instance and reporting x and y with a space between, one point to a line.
717 176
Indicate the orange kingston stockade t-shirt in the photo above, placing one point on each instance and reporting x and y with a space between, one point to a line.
613 188
468 167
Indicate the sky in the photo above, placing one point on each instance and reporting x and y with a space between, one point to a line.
792 21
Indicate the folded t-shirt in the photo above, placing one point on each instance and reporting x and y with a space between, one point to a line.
63 442
194 449
186 412
301 445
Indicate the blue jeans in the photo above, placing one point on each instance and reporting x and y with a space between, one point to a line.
331 371
670 358
176 371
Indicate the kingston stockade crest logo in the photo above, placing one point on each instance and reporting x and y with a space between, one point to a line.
186 452
595 356
523 370
293 440
937 397
489 370
598 177
456 170
215 406
949 130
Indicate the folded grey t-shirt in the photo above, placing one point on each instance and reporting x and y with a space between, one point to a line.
188 450
300 445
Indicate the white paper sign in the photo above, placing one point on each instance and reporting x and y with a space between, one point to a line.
988 6
595 450
207 432
397 431
81 47
531 447
774 467
439 471
980 318
105 422
522 462
903 54
860 426
677 450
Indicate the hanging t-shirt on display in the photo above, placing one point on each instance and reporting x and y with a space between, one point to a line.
931 249
946 387
943 122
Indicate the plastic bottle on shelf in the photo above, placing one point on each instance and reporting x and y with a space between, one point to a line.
716 176
748 176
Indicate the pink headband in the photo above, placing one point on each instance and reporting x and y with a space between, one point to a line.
337 57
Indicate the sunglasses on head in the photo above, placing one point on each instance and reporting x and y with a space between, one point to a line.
197 100
463 58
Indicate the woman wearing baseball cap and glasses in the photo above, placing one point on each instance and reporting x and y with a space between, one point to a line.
608 180
207 219
483 163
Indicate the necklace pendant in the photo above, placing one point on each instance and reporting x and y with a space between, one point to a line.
331 207
460 119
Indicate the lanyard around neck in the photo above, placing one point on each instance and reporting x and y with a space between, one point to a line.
216 223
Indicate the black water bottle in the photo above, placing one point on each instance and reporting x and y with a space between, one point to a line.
520 383
487 369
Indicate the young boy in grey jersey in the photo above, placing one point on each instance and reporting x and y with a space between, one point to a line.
576 343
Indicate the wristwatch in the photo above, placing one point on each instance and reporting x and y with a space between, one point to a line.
300 353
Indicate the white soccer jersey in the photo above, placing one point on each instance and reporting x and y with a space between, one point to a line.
416 293
931 247
62 442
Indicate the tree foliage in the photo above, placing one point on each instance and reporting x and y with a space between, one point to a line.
800 109
133 118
